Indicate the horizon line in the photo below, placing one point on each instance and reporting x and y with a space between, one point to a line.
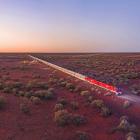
74 52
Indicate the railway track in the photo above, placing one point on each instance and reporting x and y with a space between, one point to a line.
107 87
77 75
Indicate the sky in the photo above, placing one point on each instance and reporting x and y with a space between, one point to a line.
69 25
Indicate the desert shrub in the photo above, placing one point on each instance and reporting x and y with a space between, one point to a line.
23 68
76 80
28 94
131 136
97 103
36 76
99 92
16 85
49 95
8 84
85 93
126 104
1 86
78 89
40 93
133 128
78 119
81 135
74 105
70 86
134 91
52 81
63 83
62 101
58 107
4 78
35 84
31 84
62 117
51 89
7 90
108 94
3 68
124 118
21 93
68 77
61 80
125 125
7 73
35 100
14 91
24 108
2 102
42 85
105 111
31 98
53 72
45 86
90 99
93 89
50 75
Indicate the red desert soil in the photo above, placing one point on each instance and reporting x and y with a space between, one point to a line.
40 124
119 69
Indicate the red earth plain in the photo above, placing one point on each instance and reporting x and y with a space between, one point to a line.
118 69
38 102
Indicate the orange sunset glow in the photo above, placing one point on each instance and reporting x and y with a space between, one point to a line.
69 26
